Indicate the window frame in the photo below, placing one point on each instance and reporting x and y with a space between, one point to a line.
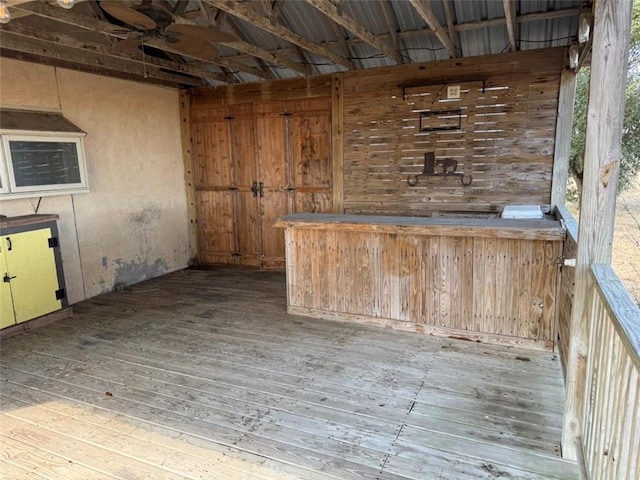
9 190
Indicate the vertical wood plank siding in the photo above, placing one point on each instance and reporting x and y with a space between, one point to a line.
498 290
611 435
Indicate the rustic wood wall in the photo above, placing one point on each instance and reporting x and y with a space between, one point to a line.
506 140
477 286
257 157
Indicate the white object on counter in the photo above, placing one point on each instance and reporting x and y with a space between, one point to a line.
522 212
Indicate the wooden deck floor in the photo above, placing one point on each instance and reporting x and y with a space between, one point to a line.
202 374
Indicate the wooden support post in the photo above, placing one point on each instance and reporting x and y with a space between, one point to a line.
337 142
563 138
601 166
189 180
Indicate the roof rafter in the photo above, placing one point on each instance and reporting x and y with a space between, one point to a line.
335 14
387 11
461 27
221 18
450 27
276 8
92 47
248 14
427 15
273 57
44 48
341 40
512 23
60 15
529 17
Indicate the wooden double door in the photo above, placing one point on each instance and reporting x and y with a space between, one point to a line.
253 164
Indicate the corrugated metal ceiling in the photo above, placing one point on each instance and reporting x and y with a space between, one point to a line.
478 27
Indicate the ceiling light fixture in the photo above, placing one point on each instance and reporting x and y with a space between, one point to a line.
5 15
584 27
66 3
574 56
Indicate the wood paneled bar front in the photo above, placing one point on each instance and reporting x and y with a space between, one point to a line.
481 279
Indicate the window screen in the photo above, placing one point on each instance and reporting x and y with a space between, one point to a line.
44 163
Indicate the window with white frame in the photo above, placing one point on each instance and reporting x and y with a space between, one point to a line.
39 163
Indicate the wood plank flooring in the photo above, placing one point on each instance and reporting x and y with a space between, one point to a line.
201 374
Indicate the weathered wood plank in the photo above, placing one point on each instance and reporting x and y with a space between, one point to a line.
429 281
612 23
505 140
208 375
612 416
452 227
337 143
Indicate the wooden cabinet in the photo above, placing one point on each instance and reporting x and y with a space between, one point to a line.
253 164
32 283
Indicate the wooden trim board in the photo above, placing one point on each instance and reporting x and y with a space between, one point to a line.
458 227
452 333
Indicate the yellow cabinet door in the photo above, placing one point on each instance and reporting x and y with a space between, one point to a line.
7 317
31 264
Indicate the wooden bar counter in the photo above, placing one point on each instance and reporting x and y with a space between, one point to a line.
488 280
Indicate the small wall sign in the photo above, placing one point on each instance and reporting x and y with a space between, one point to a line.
453 92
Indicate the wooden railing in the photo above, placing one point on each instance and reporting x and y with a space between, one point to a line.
567 284
611 432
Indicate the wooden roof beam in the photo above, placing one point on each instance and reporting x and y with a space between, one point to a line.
251 49
222 17
92 47
529 17
245 12
448 12
276 9
74 56
512 23
335 14
43 10
427 15
341 40
387 11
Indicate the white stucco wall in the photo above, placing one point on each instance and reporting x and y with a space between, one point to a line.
133 224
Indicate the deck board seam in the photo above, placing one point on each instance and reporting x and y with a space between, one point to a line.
409 410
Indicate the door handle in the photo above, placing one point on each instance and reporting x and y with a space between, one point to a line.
9 244
260 190
254 189
7 278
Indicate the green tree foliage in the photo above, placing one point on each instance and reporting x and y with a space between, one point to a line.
630 163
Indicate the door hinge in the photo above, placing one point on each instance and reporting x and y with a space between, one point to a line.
60 294
236 254
53 242
233 189
286 114
229 117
